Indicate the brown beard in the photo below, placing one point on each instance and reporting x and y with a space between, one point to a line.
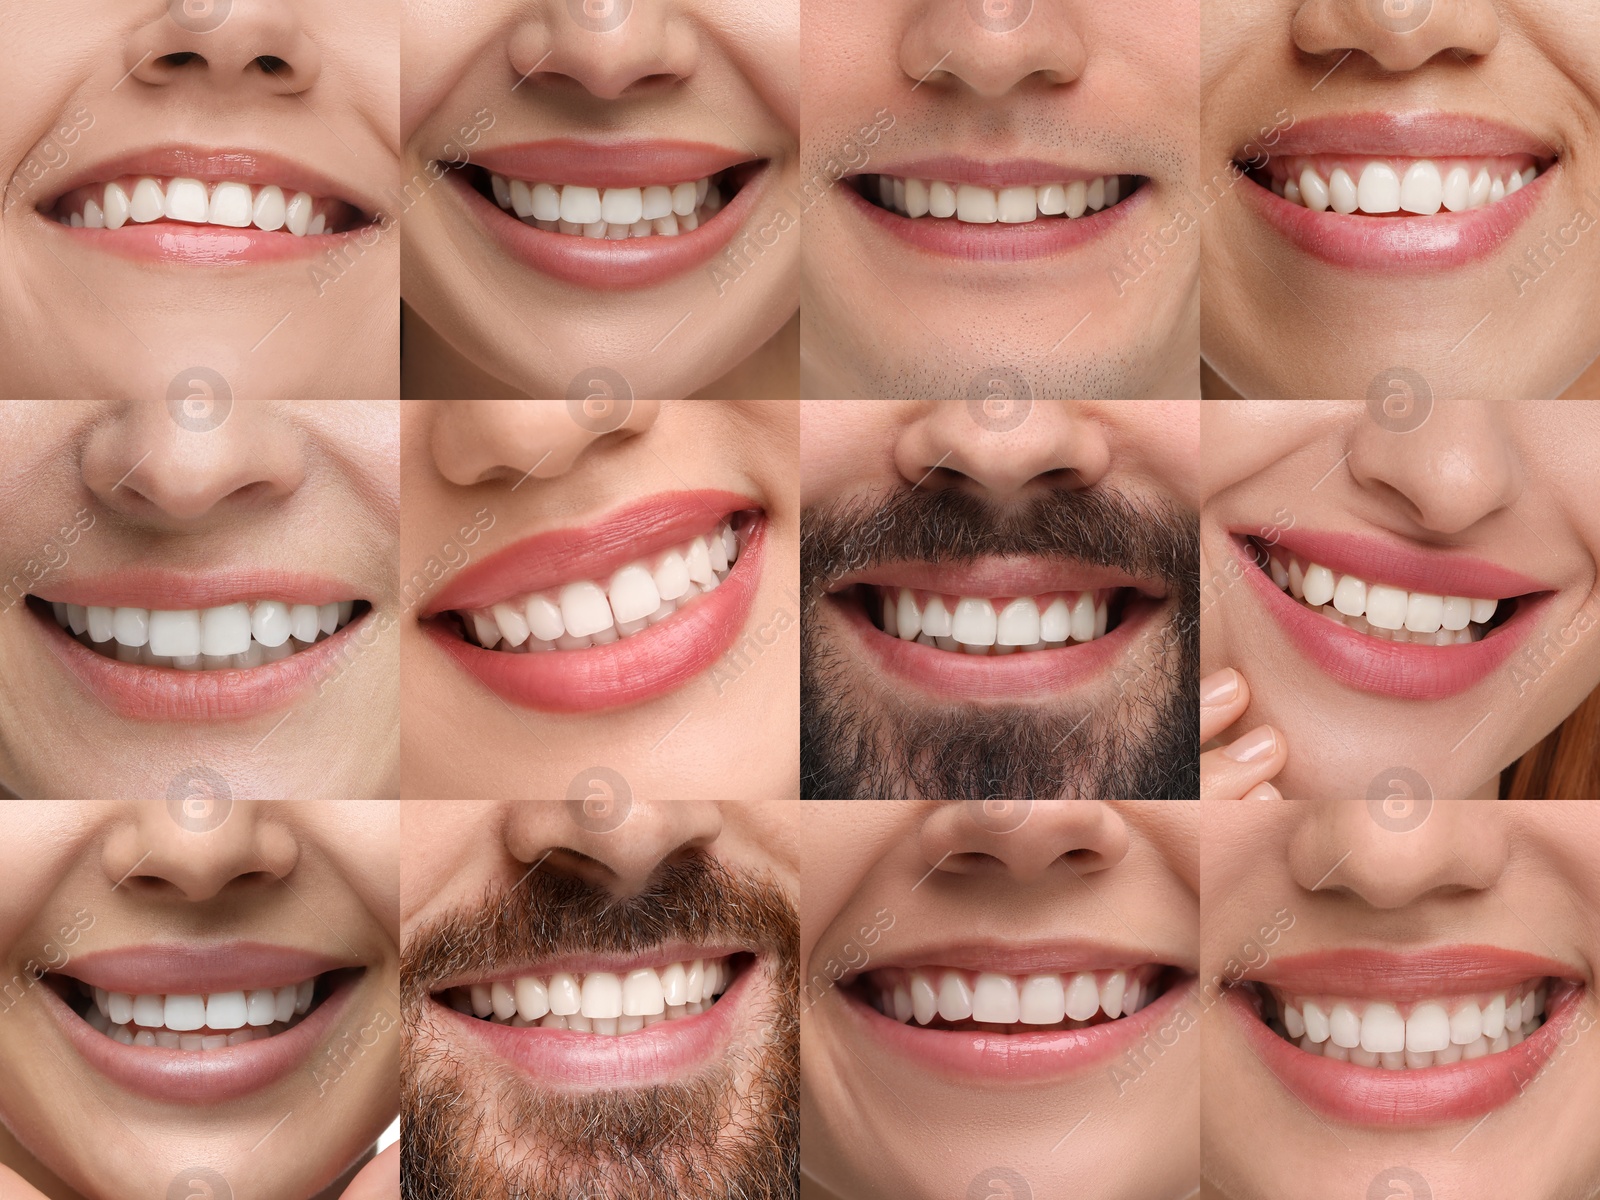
730 1131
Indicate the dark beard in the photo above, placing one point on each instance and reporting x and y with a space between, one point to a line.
731 1131
1146 745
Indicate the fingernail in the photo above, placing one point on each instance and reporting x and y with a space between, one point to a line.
1258 743
1263 791
1220 687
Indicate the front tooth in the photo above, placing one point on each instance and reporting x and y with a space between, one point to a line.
584 609
1053 199
622 206
1055 623
1083 617
225 630
1422 189
175 633
1383 1031
994 999
261 1007
230 205
699 564
1017 205
1494 1017
564 996
184 1013
976 205
1043 1001
148 202
115 203
149 1011
186 201
543 618
520 197
1313 192
1457 189
580 205
544 202
119 1006
1316 1021
297 213
1456 613
1387 606
270 210
671 575
655 202
1379 189
1082 998
1350 597
955 997
533 1002
226 1010
1344 1027
1095 196
512 625
328 617
974 622
694 981
1112 992
1483 610
675 985
1479 195
98 622
685 198
907 616
602 995
1424 613
633 595
643 994
501 1001
1342 192
1017 624
936 619
1318 585
1428 1029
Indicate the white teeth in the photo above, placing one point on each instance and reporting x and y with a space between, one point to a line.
974 622
225 630
1382 611
148 202
584 609
1318 585
230 204
175 633
116 206
986 206
1422 186
297 214
1018 623
994 998
223 637
600 1002
609 213
979 626
170 1022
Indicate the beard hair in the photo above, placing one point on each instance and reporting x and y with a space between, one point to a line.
1146 745
730 1131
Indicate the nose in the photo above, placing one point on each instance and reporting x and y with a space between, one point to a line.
1398 35
608 841
993 47
251 47
1023 839
1003 451
476 441
197 848
607 49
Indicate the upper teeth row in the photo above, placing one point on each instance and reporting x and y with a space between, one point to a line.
186 633
614 213
597 995
993 998
1444 1030
220 1010
1027 622
232 204
1382 606
1379 188
584 614
1008 206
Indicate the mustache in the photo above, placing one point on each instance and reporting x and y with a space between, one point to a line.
548 913
1097 526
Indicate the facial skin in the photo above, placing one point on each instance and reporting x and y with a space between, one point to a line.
929 874
918 79
1505 481
286 486
1530 310
481 77
99 82
1513 876
733 722
493 885
1070 485
91 876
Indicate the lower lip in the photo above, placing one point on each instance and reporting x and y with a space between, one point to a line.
651 663
202 245
1369 664
1398 243
665 1051
1046 237
167 694
1015 1056
1433 1095
202 1076
611 265
1016 676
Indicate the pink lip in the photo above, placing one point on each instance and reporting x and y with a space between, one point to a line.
203 245
1414 975
1018 676
651 663
615 164
1042 238
1386 560
1017 1057
151 588
1407 135
208 1076
565 1058
168 694
603 265
199 970
1433 1096
1010 172
1370 664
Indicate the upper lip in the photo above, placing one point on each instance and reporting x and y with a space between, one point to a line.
190 968
994 576
584 963
992 173
1015 958
162 588
1424 134
259 167
610 164
1408 975
1387 559
592 551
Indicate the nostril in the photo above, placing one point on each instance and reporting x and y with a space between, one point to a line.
271 64
181 58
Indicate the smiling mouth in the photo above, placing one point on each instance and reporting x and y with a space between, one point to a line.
602 1003
1414 1036
589 612
226 637
971 204
197 1022
1396 187
946 999
132 200
667 209
980 625
1381 611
